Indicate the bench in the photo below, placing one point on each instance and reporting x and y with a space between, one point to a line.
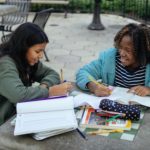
53 2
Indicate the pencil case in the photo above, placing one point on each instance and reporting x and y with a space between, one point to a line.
131 112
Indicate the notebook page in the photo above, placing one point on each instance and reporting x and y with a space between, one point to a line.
45 105
86 99
121 95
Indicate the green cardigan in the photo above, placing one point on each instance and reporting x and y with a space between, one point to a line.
12 90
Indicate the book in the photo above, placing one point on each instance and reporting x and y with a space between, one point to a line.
118 94
92 120
45 134
122 95
44 118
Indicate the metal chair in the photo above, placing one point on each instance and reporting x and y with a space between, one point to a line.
17 18
41 19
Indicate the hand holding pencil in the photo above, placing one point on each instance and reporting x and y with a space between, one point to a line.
61 89
97 88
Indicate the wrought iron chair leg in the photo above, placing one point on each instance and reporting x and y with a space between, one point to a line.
66 11
47 59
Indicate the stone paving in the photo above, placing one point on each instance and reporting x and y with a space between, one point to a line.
72 45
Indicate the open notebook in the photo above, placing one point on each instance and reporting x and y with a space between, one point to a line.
118 94
44 118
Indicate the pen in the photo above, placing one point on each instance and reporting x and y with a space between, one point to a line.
81 133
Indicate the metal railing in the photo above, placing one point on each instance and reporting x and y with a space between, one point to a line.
135 9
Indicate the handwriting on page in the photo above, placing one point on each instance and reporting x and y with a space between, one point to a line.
121 94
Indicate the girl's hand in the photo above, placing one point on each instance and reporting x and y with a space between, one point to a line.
98 90
140 90
60 89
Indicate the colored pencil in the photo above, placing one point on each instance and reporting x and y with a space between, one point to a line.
113 118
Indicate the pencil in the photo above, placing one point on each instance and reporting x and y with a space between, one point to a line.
97 83
102 131
61 76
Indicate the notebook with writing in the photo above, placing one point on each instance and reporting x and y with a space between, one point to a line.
118 94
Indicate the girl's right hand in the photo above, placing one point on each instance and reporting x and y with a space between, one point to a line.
98 90
60 89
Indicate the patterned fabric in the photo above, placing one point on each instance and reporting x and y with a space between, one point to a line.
131 112
126 78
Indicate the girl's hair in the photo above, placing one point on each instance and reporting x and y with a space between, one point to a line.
140 35
24 37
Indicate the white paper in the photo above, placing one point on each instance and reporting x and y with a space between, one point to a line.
121 95
86 99
118 94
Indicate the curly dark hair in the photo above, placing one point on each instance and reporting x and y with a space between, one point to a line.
24 37
140 35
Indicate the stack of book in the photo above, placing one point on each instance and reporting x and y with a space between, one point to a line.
104 121
46 117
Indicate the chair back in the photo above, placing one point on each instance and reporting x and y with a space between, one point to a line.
42 17
18 17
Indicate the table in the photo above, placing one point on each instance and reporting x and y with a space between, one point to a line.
7 9
73 141
96 23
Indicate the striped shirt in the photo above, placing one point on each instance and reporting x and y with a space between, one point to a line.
126 78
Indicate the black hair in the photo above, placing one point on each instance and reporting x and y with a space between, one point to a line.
140 35
24 37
